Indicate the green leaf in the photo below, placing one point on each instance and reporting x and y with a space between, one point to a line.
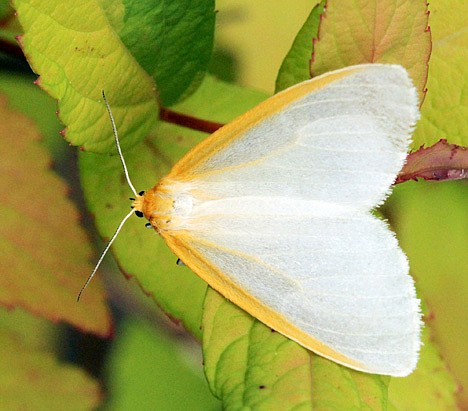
139 251
31 377
376 31
77 54
431 221
26 97
296 65
429 388
172 40
5 9
249 366
150 370
43 246
445 108
36 333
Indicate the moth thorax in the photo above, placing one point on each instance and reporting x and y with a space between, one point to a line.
167 206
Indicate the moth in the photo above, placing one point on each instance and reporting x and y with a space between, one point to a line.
274 211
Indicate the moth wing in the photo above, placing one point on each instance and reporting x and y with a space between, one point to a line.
338 286
273 212
341 138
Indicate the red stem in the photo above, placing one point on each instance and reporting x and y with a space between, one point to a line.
188 121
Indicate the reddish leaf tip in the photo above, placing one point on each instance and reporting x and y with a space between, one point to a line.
442 161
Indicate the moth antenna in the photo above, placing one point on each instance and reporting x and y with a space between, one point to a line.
103 254
127 176
116 135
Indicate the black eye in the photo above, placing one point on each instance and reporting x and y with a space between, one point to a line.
141 193
132 199
139 213
148 225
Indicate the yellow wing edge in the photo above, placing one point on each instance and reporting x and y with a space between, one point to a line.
180 245
241 125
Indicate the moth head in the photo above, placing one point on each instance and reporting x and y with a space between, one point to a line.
138 204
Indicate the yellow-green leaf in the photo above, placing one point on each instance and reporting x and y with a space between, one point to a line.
429 388
31 377
375 31
431 221
445 109
34 332
77 54
45 253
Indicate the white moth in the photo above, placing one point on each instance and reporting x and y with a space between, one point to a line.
274 211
